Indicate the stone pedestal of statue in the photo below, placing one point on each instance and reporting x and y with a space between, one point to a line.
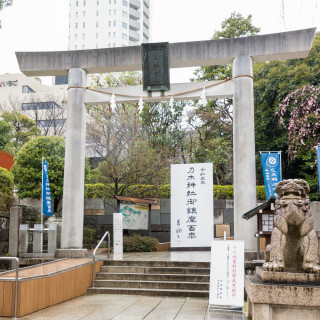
283 295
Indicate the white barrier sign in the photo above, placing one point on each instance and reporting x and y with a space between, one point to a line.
227 273
117 233
191 205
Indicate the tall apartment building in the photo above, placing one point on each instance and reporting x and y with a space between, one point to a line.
97 24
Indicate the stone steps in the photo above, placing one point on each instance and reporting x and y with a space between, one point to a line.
154 278
151 292
152 284
155 270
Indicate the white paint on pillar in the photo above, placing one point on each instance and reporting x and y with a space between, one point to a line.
244 166
74 166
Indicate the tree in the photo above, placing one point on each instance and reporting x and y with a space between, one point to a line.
6 134
3 4
162 127
118 138
6 182
274 81
27 169
213 123
24 129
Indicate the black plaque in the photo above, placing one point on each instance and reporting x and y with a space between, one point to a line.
155 66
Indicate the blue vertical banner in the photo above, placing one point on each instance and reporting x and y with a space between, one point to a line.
271 166
46 194
318 164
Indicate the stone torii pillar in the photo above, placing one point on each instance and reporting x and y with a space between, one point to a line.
242 52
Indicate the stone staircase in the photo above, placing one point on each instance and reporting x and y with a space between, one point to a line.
156 278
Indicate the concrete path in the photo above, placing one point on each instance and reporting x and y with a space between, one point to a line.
126 307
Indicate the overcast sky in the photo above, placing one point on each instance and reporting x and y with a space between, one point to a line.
42 25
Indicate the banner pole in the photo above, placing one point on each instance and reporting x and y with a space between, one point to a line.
41 241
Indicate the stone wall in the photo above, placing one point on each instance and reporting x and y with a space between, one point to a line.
99 216
29 216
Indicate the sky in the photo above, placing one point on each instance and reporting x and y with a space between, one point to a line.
42 25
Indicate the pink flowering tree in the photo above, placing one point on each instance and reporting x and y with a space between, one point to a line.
299 113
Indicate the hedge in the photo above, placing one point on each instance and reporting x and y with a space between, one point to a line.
6 181
100 190
6 201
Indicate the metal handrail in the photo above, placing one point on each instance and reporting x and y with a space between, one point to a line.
16 285
94 255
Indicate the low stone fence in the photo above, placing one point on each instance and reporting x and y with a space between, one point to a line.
98 215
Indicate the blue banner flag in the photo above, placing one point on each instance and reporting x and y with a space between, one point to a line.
318 163
46 194
271 171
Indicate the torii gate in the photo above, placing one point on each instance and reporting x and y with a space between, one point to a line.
241 52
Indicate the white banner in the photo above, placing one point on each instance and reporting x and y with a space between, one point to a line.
227 273
135 216
191 205
117 233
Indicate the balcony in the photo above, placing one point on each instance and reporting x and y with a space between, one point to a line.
134 25
135 4
134 14
134 36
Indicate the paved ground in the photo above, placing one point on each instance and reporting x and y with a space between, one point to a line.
131 307
125 307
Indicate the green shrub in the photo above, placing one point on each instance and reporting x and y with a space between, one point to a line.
89 237
223 192
100 190
6 181
261 193
6 201
138 243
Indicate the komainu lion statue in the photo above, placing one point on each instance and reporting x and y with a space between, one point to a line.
294 242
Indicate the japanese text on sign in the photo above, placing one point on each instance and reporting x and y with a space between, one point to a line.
191 205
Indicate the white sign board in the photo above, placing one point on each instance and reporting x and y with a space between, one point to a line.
117 233
135 216
227 273
191 205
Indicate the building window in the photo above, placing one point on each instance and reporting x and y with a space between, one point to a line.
109 12
83 36
124 36
97 35
109 1
77 14
98 2
48 105
75 36
84 2
75 47
76 25
83 46
124 14
114 22
114 44
115 1
83 24
114 34
109 34
108 45
109 23
125 3
77 3
83 13
97 13
26 89
97 24
114 12
97 46
124 25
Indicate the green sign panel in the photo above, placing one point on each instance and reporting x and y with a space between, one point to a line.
155 66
